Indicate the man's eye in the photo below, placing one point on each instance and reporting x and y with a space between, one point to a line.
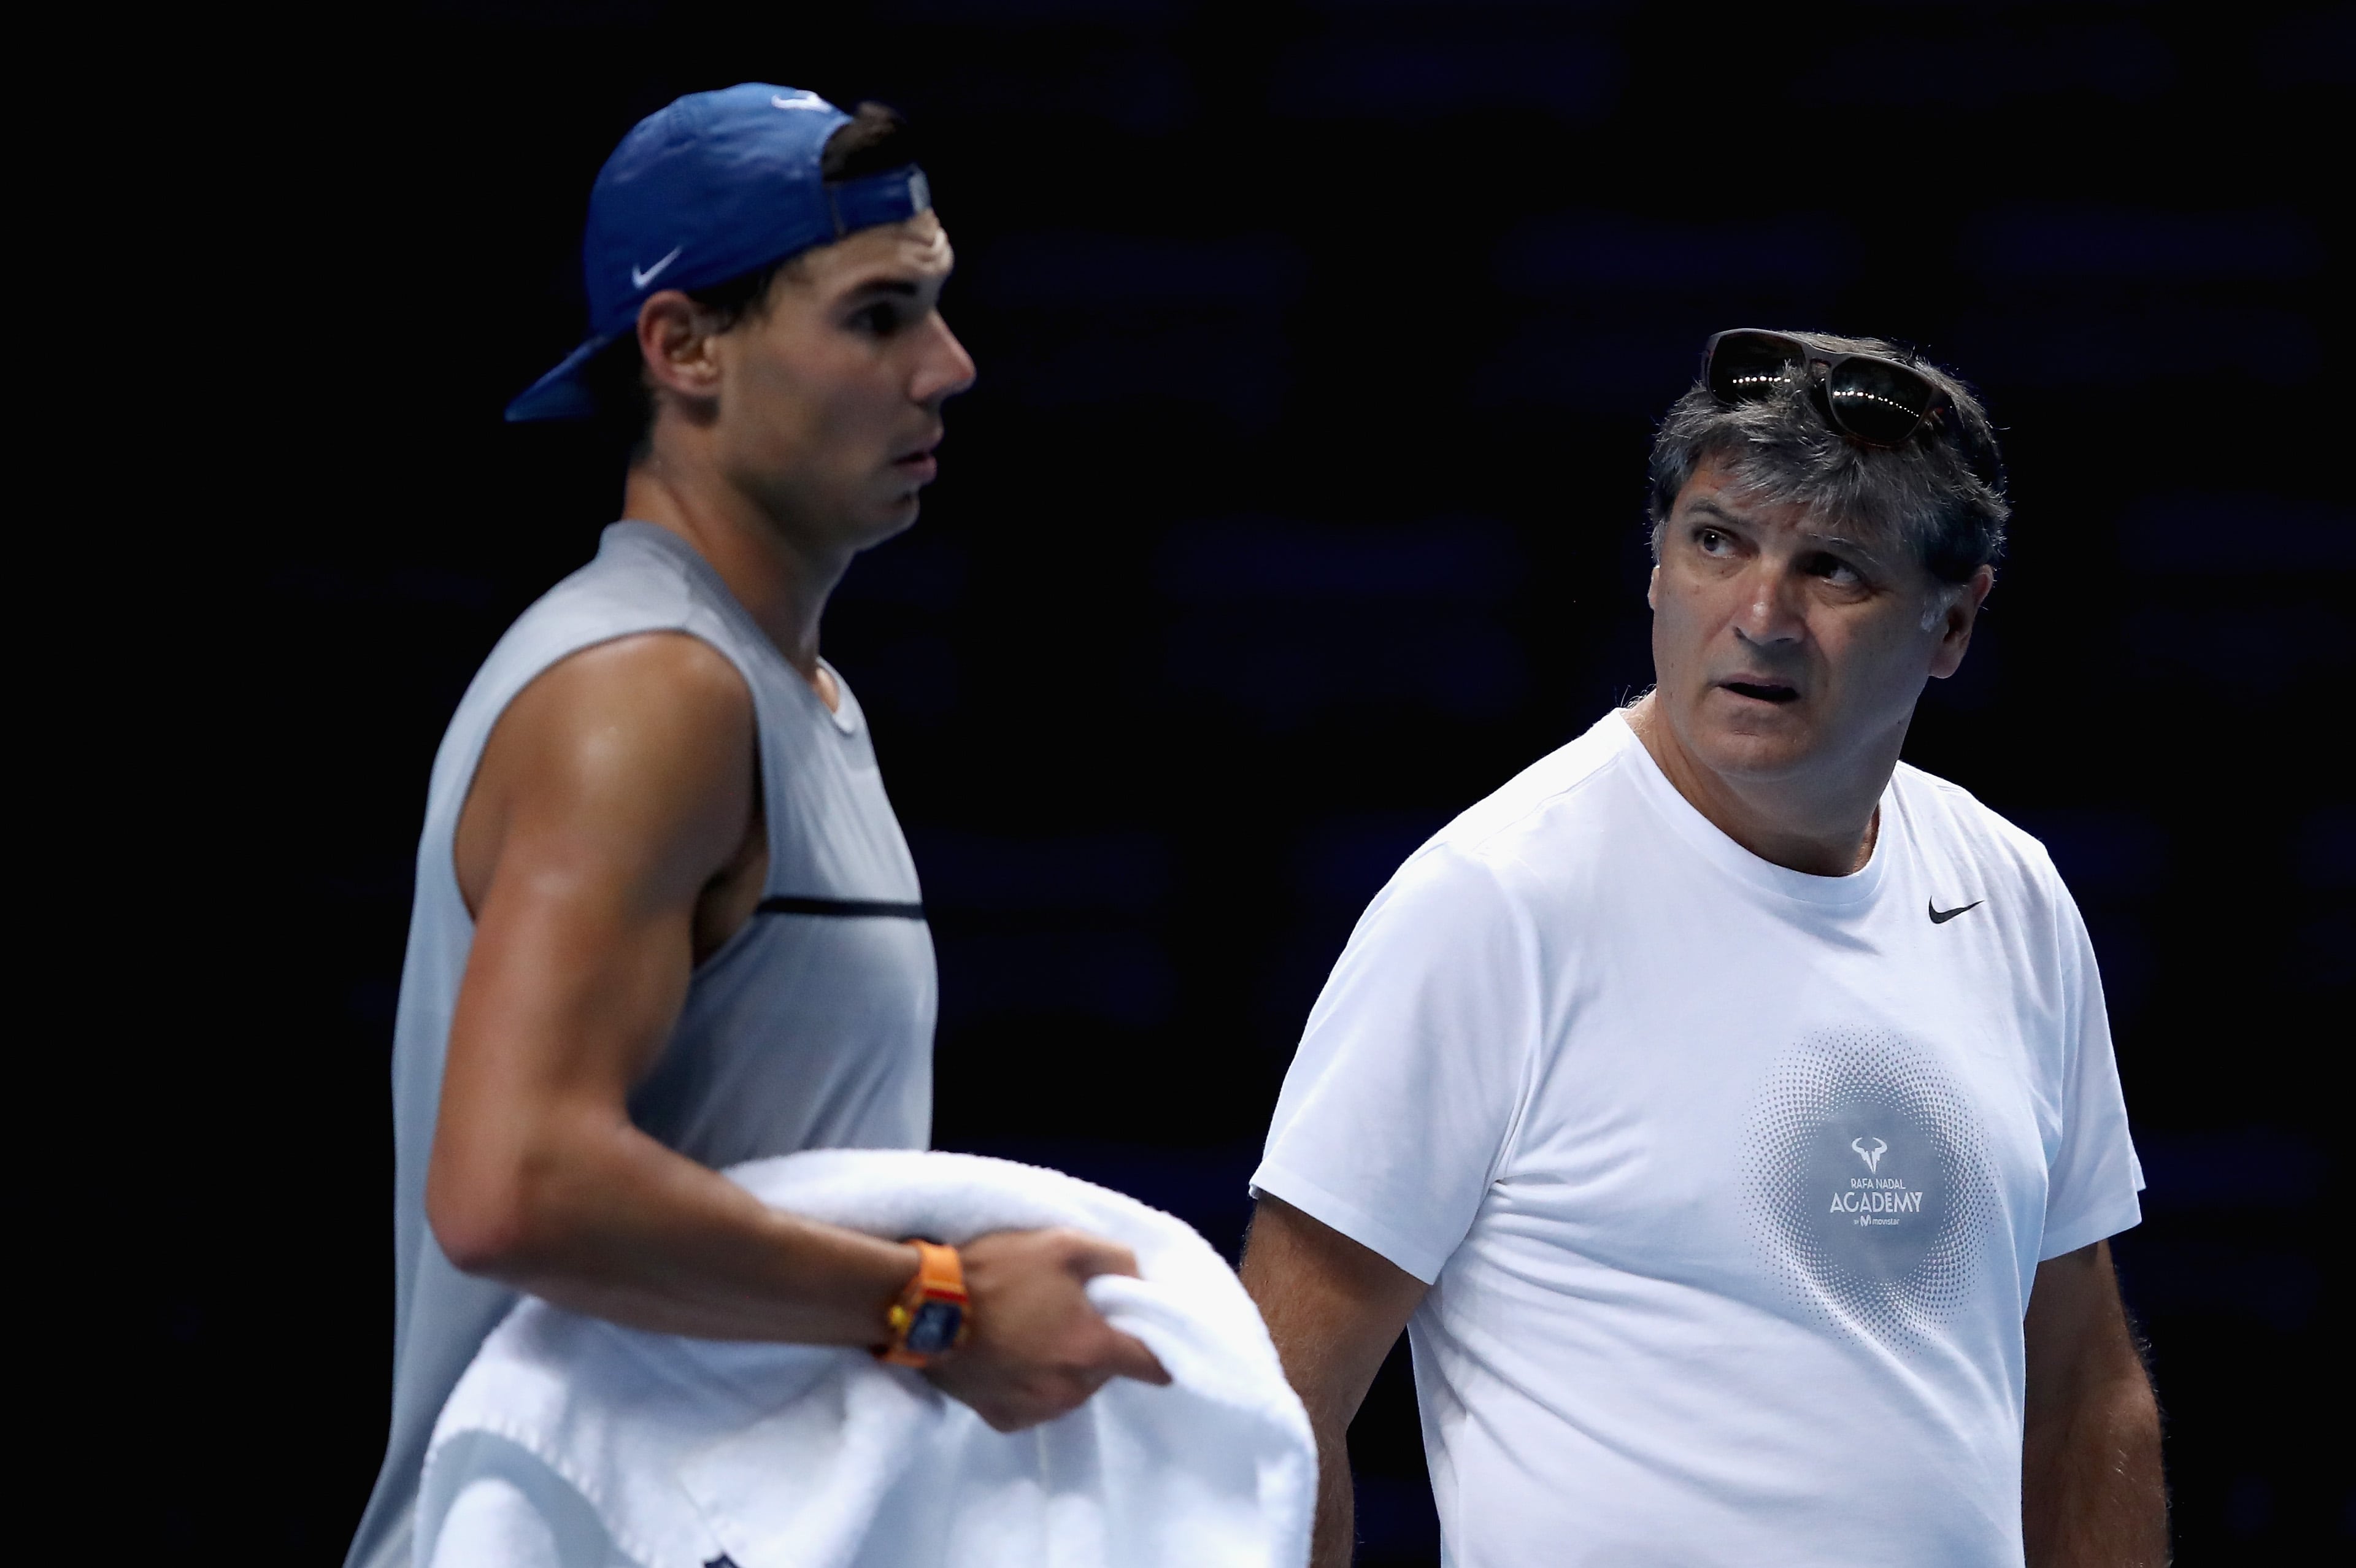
1710 541
880 318
1835 571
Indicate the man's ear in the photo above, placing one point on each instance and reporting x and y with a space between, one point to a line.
1954 622
1652 590
677 340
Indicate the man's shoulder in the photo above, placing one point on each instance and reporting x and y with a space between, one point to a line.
1543 815
659 681
1548 793
617 656
1959 824
623 693
633 757
627 586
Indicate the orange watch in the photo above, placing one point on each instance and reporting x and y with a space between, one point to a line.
932 1315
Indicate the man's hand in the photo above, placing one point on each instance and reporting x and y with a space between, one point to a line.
2091 1491
1039 1350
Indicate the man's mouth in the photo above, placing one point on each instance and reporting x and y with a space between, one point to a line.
1762 690
917 467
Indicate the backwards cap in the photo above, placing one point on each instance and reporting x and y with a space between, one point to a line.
708 188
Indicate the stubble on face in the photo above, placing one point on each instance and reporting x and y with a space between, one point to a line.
841 379
1783 645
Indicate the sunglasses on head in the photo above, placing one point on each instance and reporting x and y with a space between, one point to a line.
1870 397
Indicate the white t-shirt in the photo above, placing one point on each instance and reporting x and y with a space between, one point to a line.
1730 1182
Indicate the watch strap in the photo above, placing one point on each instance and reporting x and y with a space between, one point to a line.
933 1314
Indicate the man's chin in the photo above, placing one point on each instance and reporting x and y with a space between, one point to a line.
1757 746
892 517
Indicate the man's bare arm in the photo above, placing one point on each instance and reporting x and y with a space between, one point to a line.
2092 1491
1334 1309
612 812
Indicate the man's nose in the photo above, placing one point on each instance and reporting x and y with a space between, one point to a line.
1769 613
943 369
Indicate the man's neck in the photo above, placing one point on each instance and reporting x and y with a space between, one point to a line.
1824 821
782 587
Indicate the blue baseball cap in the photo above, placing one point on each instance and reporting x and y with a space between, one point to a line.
705 189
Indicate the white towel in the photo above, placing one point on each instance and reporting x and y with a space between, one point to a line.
574 1443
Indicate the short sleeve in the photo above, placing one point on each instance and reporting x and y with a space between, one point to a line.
2094 1177
1414 1064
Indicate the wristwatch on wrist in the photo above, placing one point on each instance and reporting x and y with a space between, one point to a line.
932 1315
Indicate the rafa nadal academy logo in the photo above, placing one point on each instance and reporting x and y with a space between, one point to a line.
1865 1185
1875 1199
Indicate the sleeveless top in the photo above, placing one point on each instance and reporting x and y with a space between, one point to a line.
811 1028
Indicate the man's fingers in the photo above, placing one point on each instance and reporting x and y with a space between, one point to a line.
1128 1358
1095 1255
1125 1356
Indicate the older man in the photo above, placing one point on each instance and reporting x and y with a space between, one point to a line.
1727 1110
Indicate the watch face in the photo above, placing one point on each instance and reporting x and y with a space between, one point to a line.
935 1327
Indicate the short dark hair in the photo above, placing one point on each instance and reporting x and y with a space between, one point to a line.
1942 494
875 141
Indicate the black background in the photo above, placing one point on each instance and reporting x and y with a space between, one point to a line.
1299 505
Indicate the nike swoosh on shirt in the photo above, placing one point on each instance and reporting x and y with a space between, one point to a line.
1942 916
641 276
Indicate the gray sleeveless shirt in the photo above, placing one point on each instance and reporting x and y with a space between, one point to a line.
812 1028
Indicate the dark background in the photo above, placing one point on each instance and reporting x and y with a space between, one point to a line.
1297 506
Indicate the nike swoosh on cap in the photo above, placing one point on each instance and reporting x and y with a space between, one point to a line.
804 99
1942 916
641 276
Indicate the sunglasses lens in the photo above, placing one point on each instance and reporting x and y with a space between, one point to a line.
1746 365
1878 402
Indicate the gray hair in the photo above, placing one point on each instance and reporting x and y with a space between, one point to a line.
1924 495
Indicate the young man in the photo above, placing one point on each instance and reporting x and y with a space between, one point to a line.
1714 1101
665 919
